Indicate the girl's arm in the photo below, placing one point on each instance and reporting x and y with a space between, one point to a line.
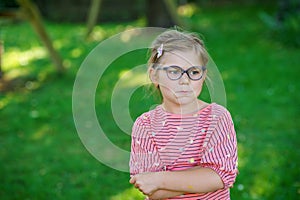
195 180
164 194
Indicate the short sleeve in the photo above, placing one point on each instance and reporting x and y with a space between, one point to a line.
221 150
143 155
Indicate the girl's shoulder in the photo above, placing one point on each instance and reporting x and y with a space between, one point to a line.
217 108
145 118
220 112
142 124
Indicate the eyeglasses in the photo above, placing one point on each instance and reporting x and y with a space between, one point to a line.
174 72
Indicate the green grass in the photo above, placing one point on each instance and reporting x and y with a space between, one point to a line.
42 156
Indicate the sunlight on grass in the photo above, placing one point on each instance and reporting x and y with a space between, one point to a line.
187 10
42 132
101 32
67 63
77 52
127 36
132 79
58 44
5 100
98 33
129 194
15 60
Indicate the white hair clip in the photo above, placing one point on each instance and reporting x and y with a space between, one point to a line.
160 51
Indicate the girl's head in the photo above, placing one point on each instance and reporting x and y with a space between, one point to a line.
173 40
177 66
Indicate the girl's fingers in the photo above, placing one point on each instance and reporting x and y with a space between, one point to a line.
132 180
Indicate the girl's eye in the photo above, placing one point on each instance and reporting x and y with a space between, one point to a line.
174 71
195 72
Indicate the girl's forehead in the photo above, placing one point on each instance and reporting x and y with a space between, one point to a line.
185 58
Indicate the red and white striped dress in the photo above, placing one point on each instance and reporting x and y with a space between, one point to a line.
166 141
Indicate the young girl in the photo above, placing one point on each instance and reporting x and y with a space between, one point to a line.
185 148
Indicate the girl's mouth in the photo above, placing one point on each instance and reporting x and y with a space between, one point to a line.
184 92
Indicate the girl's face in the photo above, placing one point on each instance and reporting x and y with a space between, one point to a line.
183 92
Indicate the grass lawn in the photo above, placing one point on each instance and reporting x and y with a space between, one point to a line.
42 156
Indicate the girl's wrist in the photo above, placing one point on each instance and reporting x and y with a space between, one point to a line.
161 177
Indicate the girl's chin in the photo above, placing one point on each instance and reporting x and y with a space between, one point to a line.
186 101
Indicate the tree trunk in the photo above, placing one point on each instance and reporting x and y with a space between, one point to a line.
159 15
31 12
93 15
172 9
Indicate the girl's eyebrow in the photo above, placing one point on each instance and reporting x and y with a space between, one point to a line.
190 66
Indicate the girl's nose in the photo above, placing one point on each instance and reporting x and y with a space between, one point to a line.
184 79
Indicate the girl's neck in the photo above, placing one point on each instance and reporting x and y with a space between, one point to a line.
191 108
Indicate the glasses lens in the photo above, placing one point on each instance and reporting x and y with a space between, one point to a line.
174 72
195 73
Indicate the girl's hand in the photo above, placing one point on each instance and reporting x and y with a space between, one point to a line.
147 183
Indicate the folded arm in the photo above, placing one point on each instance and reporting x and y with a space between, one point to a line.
166 184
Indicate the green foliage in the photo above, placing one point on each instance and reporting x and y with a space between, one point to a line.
42 156
287 29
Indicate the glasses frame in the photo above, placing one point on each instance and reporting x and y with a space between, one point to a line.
165 68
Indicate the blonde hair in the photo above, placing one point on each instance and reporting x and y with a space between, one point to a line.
173 40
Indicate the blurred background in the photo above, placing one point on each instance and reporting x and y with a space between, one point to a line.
255 45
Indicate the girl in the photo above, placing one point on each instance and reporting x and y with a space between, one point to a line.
185 148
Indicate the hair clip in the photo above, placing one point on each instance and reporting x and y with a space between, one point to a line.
160 51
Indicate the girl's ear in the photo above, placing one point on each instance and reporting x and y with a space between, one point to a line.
153 77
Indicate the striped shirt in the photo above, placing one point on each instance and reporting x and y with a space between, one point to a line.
167 141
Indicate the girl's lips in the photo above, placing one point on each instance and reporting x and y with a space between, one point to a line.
184 92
